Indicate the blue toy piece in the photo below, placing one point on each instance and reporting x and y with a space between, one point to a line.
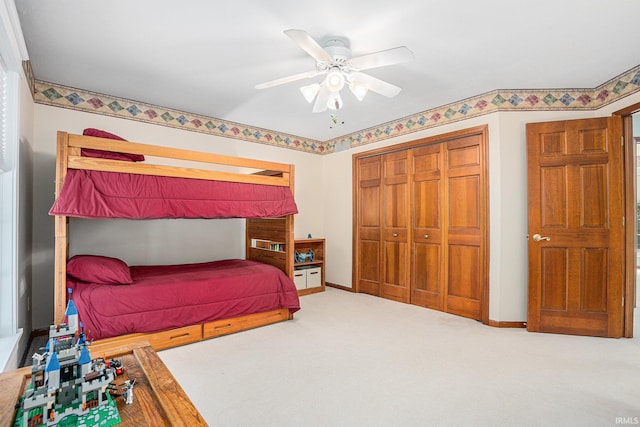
308 256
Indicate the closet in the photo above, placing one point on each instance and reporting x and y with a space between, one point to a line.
421 223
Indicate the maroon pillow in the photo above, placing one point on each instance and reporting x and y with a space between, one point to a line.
99 269
101 154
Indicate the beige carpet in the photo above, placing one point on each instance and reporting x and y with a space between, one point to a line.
355 360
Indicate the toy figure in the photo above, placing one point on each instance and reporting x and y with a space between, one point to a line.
127 391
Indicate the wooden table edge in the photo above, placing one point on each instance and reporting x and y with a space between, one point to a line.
177 406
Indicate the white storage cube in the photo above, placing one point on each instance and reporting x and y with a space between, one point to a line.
300 279
314 277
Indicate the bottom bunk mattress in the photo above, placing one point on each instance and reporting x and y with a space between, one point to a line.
170 296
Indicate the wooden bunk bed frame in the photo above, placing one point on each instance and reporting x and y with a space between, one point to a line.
274 229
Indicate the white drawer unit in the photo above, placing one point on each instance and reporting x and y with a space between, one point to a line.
307 277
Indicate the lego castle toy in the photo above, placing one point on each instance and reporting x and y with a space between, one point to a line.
67 387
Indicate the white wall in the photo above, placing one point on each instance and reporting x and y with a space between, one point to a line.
153 241
507 203
25 215
16 202
323 194
19 289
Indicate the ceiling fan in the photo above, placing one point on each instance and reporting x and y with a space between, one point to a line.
334 61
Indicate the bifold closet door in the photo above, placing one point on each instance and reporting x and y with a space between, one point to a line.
427 280
368 217
465 210
395 226
421 218
447 256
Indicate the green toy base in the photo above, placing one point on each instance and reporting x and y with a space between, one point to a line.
103 416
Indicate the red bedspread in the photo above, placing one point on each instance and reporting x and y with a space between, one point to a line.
166 297
95 194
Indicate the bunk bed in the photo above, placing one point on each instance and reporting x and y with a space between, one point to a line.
99 175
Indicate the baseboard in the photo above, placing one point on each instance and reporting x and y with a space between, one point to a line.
334 285
498 324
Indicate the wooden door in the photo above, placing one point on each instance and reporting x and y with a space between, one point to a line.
466 208
427 280
369 224
421 211
395 226
576 241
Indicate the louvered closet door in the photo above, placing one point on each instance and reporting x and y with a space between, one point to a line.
369 174
464 203
427 278
395 226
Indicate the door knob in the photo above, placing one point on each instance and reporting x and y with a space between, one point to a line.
539 238
426 236
395 234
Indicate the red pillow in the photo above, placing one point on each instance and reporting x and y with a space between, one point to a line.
99 269
101 154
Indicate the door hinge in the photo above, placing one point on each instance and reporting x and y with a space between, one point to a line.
622 140
623 221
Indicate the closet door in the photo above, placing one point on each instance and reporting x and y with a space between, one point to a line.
368 215
427 280
465 203
421 223
395 226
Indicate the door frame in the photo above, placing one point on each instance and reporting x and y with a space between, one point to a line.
483 131
630 232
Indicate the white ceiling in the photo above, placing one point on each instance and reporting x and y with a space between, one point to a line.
205 57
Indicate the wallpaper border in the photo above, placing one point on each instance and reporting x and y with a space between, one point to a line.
92 102
613 90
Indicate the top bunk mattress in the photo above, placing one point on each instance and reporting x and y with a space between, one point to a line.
172 296
97 194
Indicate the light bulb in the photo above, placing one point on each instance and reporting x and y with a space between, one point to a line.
335 80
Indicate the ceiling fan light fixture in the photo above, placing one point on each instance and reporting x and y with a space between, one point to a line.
359 90
335 80
339 68
310 91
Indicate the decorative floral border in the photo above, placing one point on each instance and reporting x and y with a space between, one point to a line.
28 72
92 102
498 100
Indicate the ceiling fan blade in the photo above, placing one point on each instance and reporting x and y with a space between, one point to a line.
321 101
309 45
382 58
376 85
283 80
